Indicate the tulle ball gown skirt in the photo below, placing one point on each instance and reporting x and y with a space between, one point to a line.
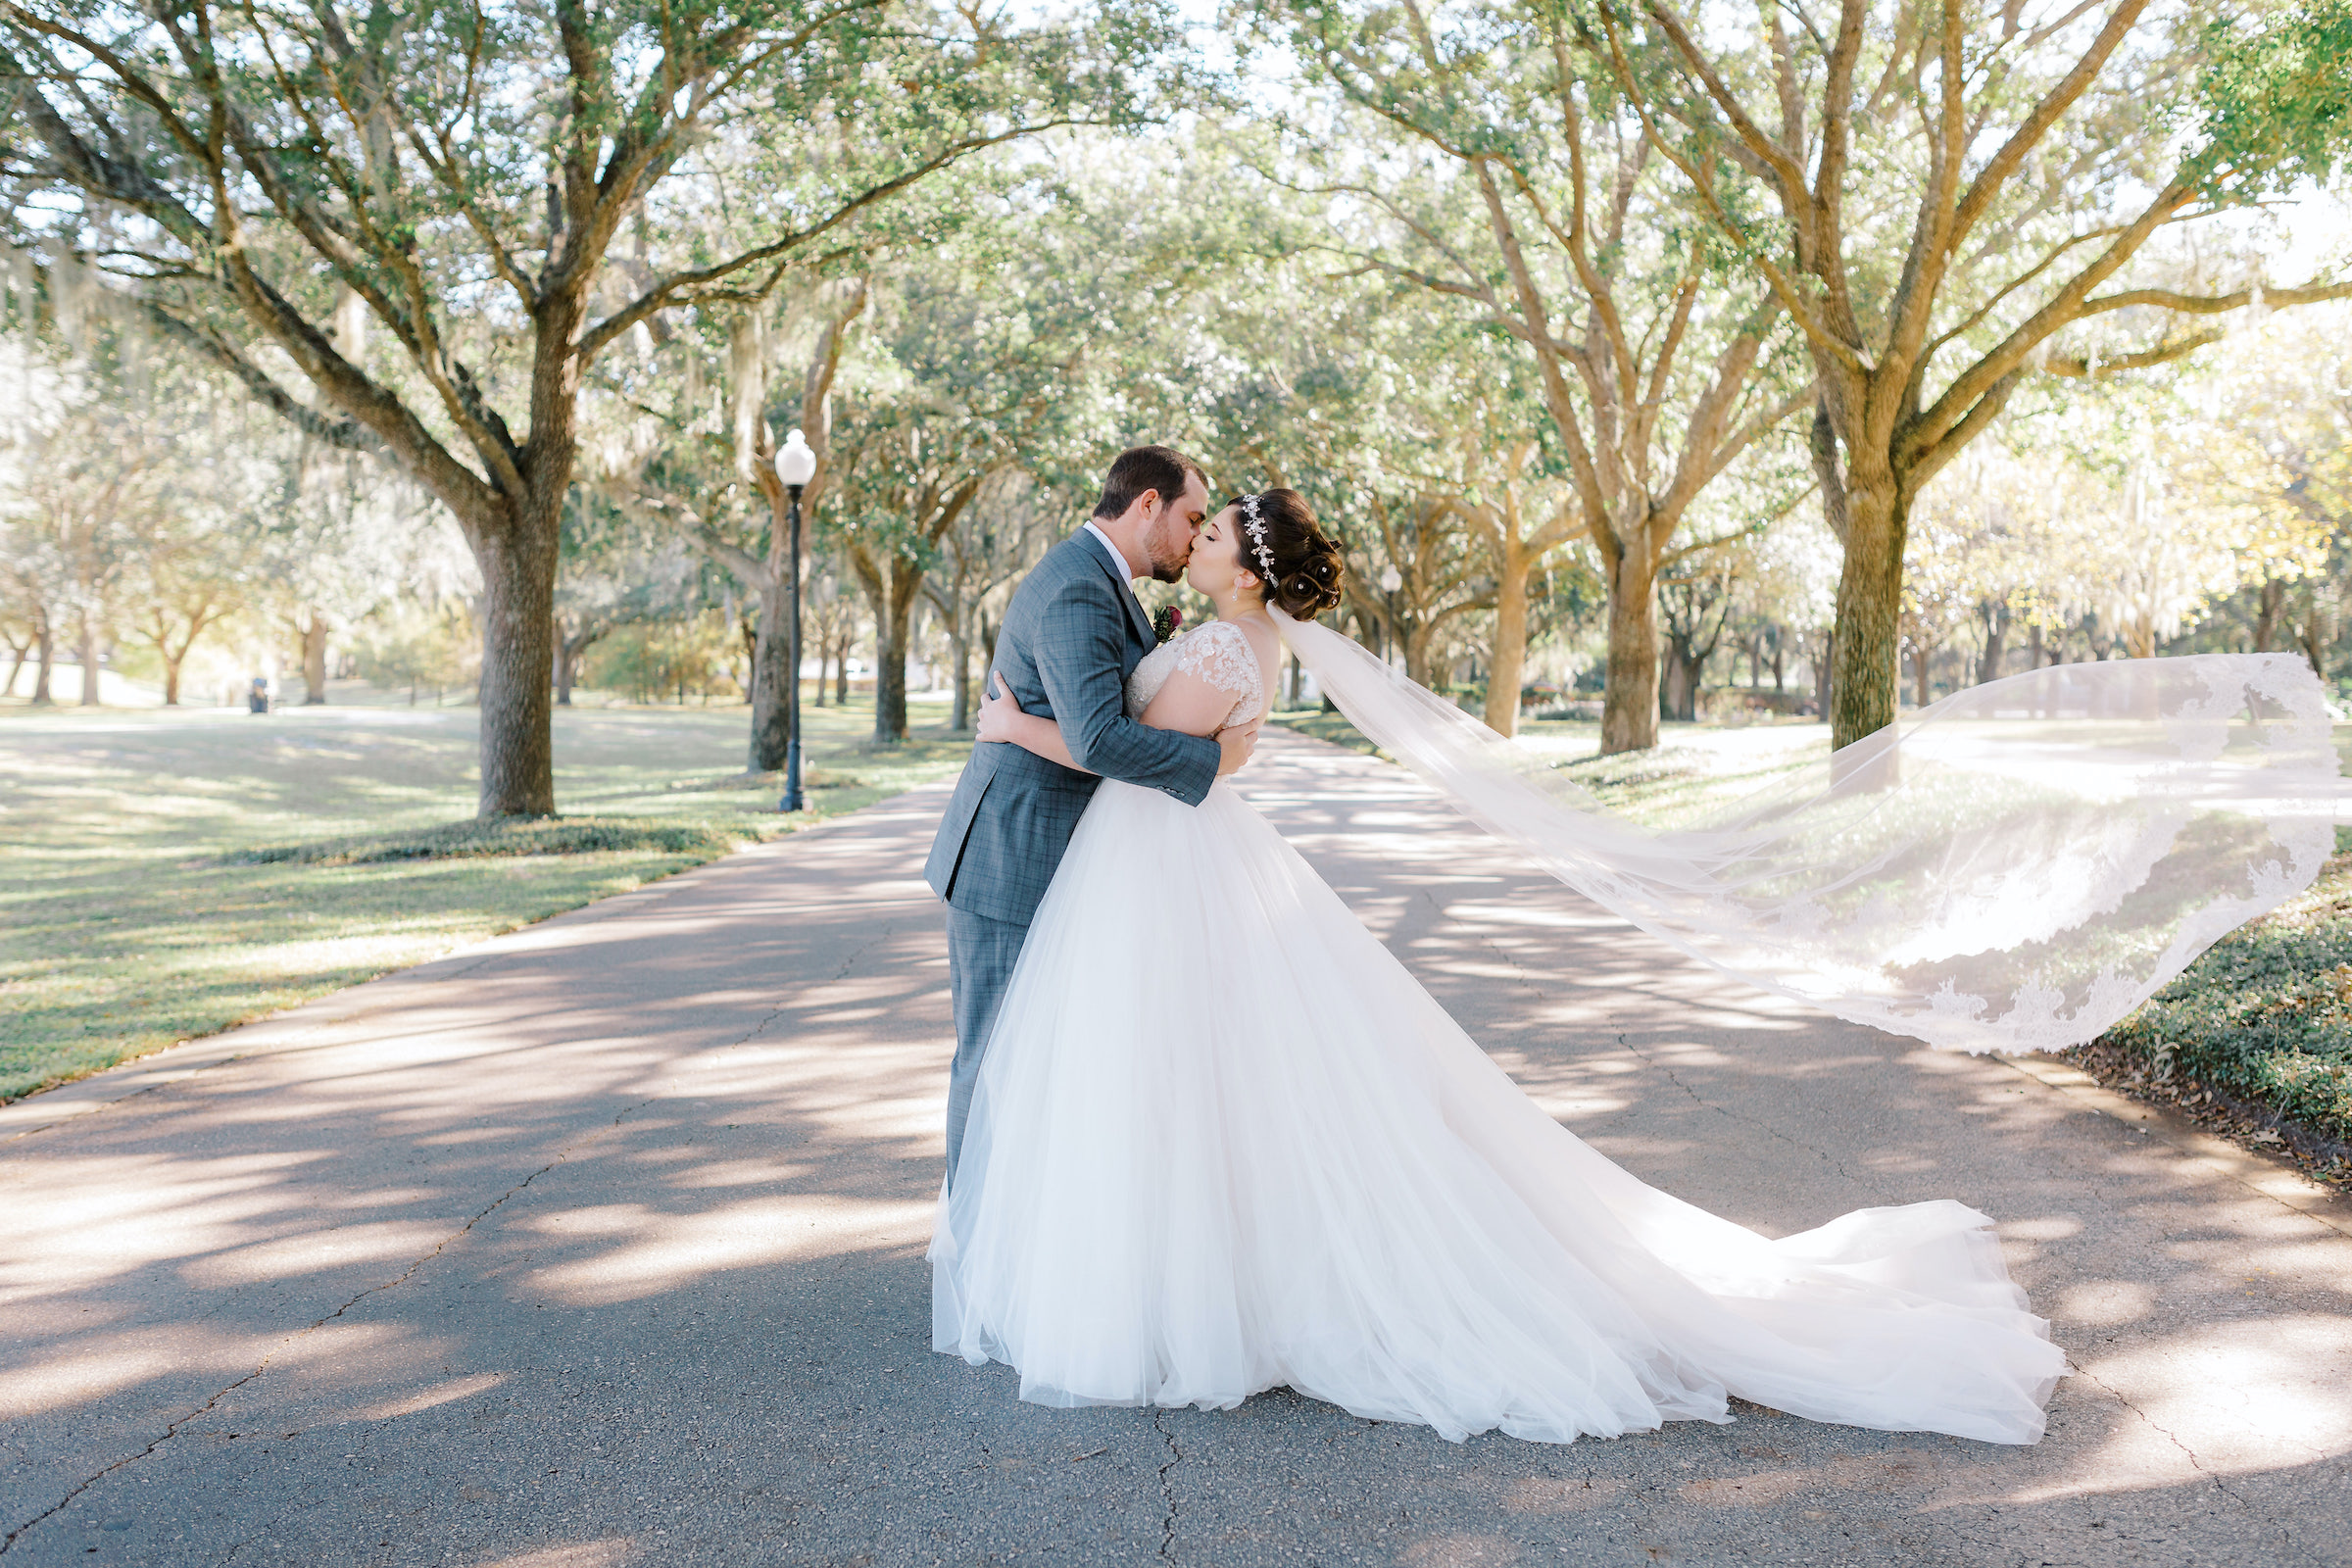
1222 1141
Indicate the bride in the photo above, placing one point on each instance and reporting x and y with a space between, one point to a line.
1223 1141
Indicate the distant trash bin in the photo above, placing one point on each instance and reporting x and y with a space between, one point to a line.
257 696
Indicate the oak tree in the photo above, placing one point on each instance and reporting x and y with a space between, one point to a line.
397 225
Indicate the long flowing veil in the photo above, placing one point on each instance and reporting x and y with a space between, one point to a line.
2011 868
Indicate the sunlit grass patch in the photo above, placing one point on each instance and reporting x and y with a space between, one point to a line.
166 873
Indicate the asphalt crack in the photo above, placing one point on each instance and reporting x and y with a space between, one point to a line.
8 1542
1729 1115
2166 1433
1167 1488
784 1004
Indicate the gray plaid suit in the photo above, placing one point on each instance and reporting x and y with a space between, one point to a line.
1071 637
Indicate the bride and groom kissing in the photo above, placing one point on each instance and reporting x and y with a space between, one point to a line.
1208 1137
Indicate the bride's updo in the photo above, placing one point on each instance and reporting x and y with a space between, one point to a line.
1307 570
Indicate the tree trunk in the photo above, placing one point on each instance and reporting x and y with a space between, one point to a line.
518 564
893 586
985 646
841 670
89 660
1780 676
1678 686
47 640
2266 614
22 651
1922 672
1509 653
314 662
572 656
772 651
961 647
1823 662
900 581
1629 702
1418 638
890 676
1996 645
1869 603
2314 637
171 663
566 669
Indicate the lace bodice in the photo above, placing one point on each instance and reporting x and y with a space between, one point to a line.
1219 652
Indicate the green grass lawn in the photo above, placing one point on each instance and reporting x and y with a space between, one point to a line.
167 872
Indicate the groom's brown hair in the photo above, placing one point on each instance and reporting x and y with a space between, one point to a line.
1141 468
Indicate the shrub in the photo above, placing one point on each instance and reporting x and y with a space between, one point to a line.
2266 1013
546 835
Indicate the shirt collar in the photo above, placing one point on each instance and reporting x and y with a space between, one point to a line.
1126 572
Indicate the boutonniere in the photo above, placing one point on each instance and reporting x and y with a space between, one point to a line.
1164 625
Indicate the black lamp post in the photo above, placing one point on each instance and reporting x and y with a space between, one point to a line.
796 465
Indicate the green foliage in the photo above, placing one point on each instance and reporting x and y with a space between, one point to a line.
657 660
2266 1013
2274 99
419 647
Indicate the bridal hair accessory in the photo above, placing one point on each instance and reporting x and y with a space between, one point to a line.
1164 625
1258 536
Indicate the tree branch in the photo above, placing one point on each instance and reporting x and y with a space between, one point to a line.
671 290
2215 304
2083 367
345 433
2053 105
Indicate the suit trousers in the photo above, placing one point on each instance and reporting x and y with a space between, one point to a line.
981 953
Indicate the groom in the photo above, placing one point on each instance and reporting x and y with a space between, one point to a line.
1071 637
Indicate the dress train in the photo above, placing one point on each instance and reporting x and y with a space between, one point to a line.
1223 1141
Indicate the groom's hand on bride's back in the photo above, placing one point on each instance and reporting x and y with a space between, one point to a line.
1235 743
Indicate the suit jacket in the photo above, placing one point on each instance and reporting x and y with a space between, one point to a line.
1071 637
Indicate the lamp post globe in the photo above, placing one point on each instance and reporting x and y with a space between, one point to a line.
795 461
796 465
1390 580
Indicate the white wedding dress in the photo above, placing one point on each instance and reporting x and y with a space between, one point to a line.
1223 1142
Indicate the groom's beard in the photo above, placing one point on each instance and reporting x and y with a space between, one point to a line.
1169 557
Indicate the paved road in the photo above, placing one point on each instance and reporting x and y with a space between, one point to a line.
602 1244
